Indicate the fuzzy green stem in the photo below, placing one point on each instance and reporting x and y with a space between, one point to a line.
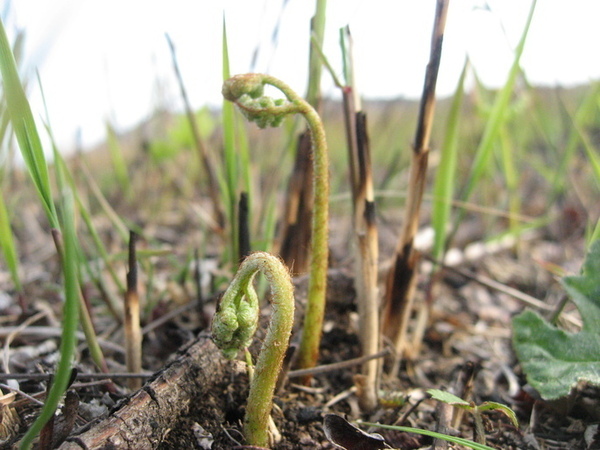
234 325
246 91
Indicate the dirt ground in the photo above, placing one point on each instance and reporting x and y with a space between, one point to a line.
469 331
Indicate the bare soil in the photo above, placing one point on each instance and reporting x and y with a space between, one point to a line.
196 398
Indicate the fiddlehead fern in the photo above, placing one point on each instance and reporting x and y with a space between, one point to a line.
234 325
247 92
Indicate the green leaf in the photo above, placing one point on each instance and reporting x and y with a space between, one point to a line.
555 360
446 176
448 398
229 178
487 406
25 128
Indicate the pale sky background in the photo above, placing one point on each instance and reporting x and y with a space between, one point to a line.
104 59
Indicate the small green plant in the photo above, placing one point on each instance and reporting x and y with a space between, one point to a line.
339 431
346 435
247 92
554 360
474 409
234 325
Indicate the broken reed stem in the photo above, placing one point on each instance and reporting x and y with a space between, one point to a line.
401 282
133 335
213 185
367 265
365 234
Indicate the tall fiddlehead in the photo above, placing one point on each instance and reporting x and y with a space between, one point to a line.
247 92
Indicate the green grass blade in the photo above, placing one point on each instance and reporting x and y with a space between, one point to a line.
511 177
33 154
582 115
269 222
25 128
5 136
118 160
445 179
112 215
69 323
230 163
237 158
590 150
7 245
91 338
433 434
325 61
315 65
87 219
578 124
497 116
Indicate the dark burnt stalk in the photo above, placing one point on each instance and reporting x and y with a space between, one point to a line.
243 227
401 281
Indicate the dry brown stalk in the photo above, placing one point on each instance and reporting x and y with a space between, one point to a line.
401 282
133 334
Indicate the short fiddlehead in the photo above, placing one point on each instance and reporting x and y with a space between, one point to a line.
234 325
